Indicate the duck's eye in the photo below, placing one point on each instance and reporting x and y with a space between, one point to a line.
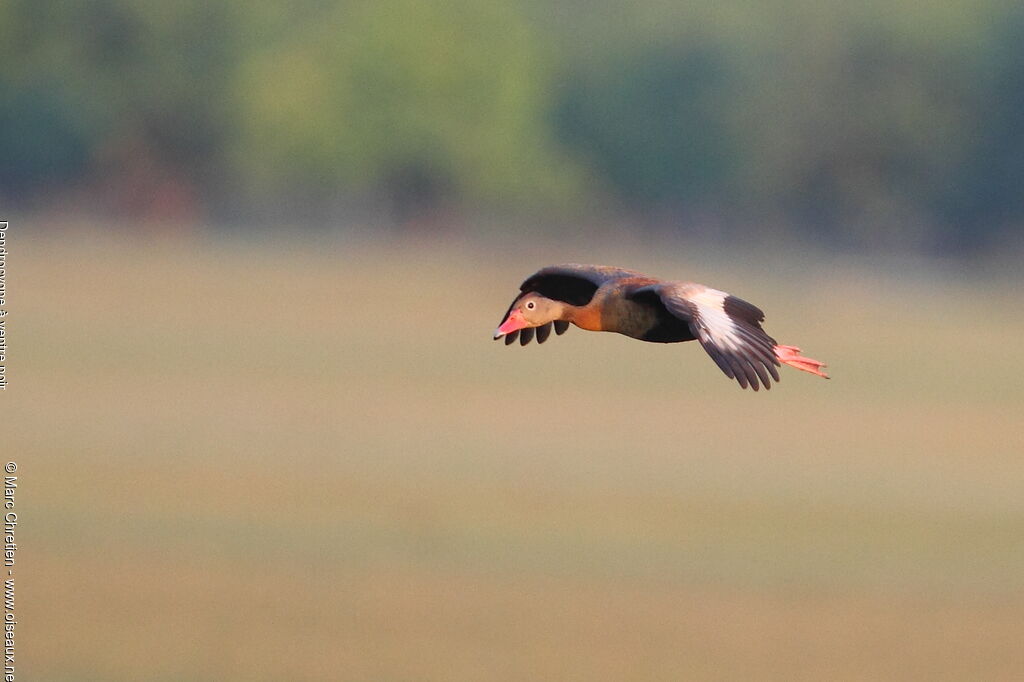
530 305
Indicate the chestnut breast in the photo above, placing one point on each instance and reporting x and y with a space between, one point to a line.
619 314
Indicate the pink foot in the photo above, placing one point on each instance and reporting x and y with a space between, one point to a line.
790 355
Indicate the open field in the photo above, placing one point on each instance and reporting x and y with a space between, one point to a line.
281 462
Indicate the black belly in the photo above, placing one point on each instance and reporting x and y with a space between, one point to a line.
668 329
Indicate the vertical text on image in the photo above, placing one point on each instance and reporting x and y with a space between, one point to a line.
10 547
3 305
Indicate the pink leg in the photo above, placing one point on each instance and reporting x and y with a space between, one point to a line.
790 355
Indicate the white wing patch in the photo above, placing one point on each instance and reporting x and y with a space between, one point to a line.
729 330
713 325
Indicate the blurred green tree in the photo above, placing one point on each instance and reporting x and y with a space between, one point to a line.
987 191
423 102
140 84
651 124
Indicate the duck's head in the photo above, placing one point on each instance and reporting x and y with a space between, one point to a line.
530 310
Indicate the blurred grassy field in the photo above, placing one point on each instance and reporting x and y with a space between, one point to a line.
270 462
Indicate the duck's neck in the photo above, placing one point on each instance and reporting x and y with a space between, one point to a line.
583 316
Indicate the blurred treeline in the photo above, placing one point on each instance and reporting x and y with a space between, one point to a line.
864 123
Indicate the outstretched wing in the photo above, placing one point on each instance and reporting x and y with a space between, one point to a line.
728 328
572 283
